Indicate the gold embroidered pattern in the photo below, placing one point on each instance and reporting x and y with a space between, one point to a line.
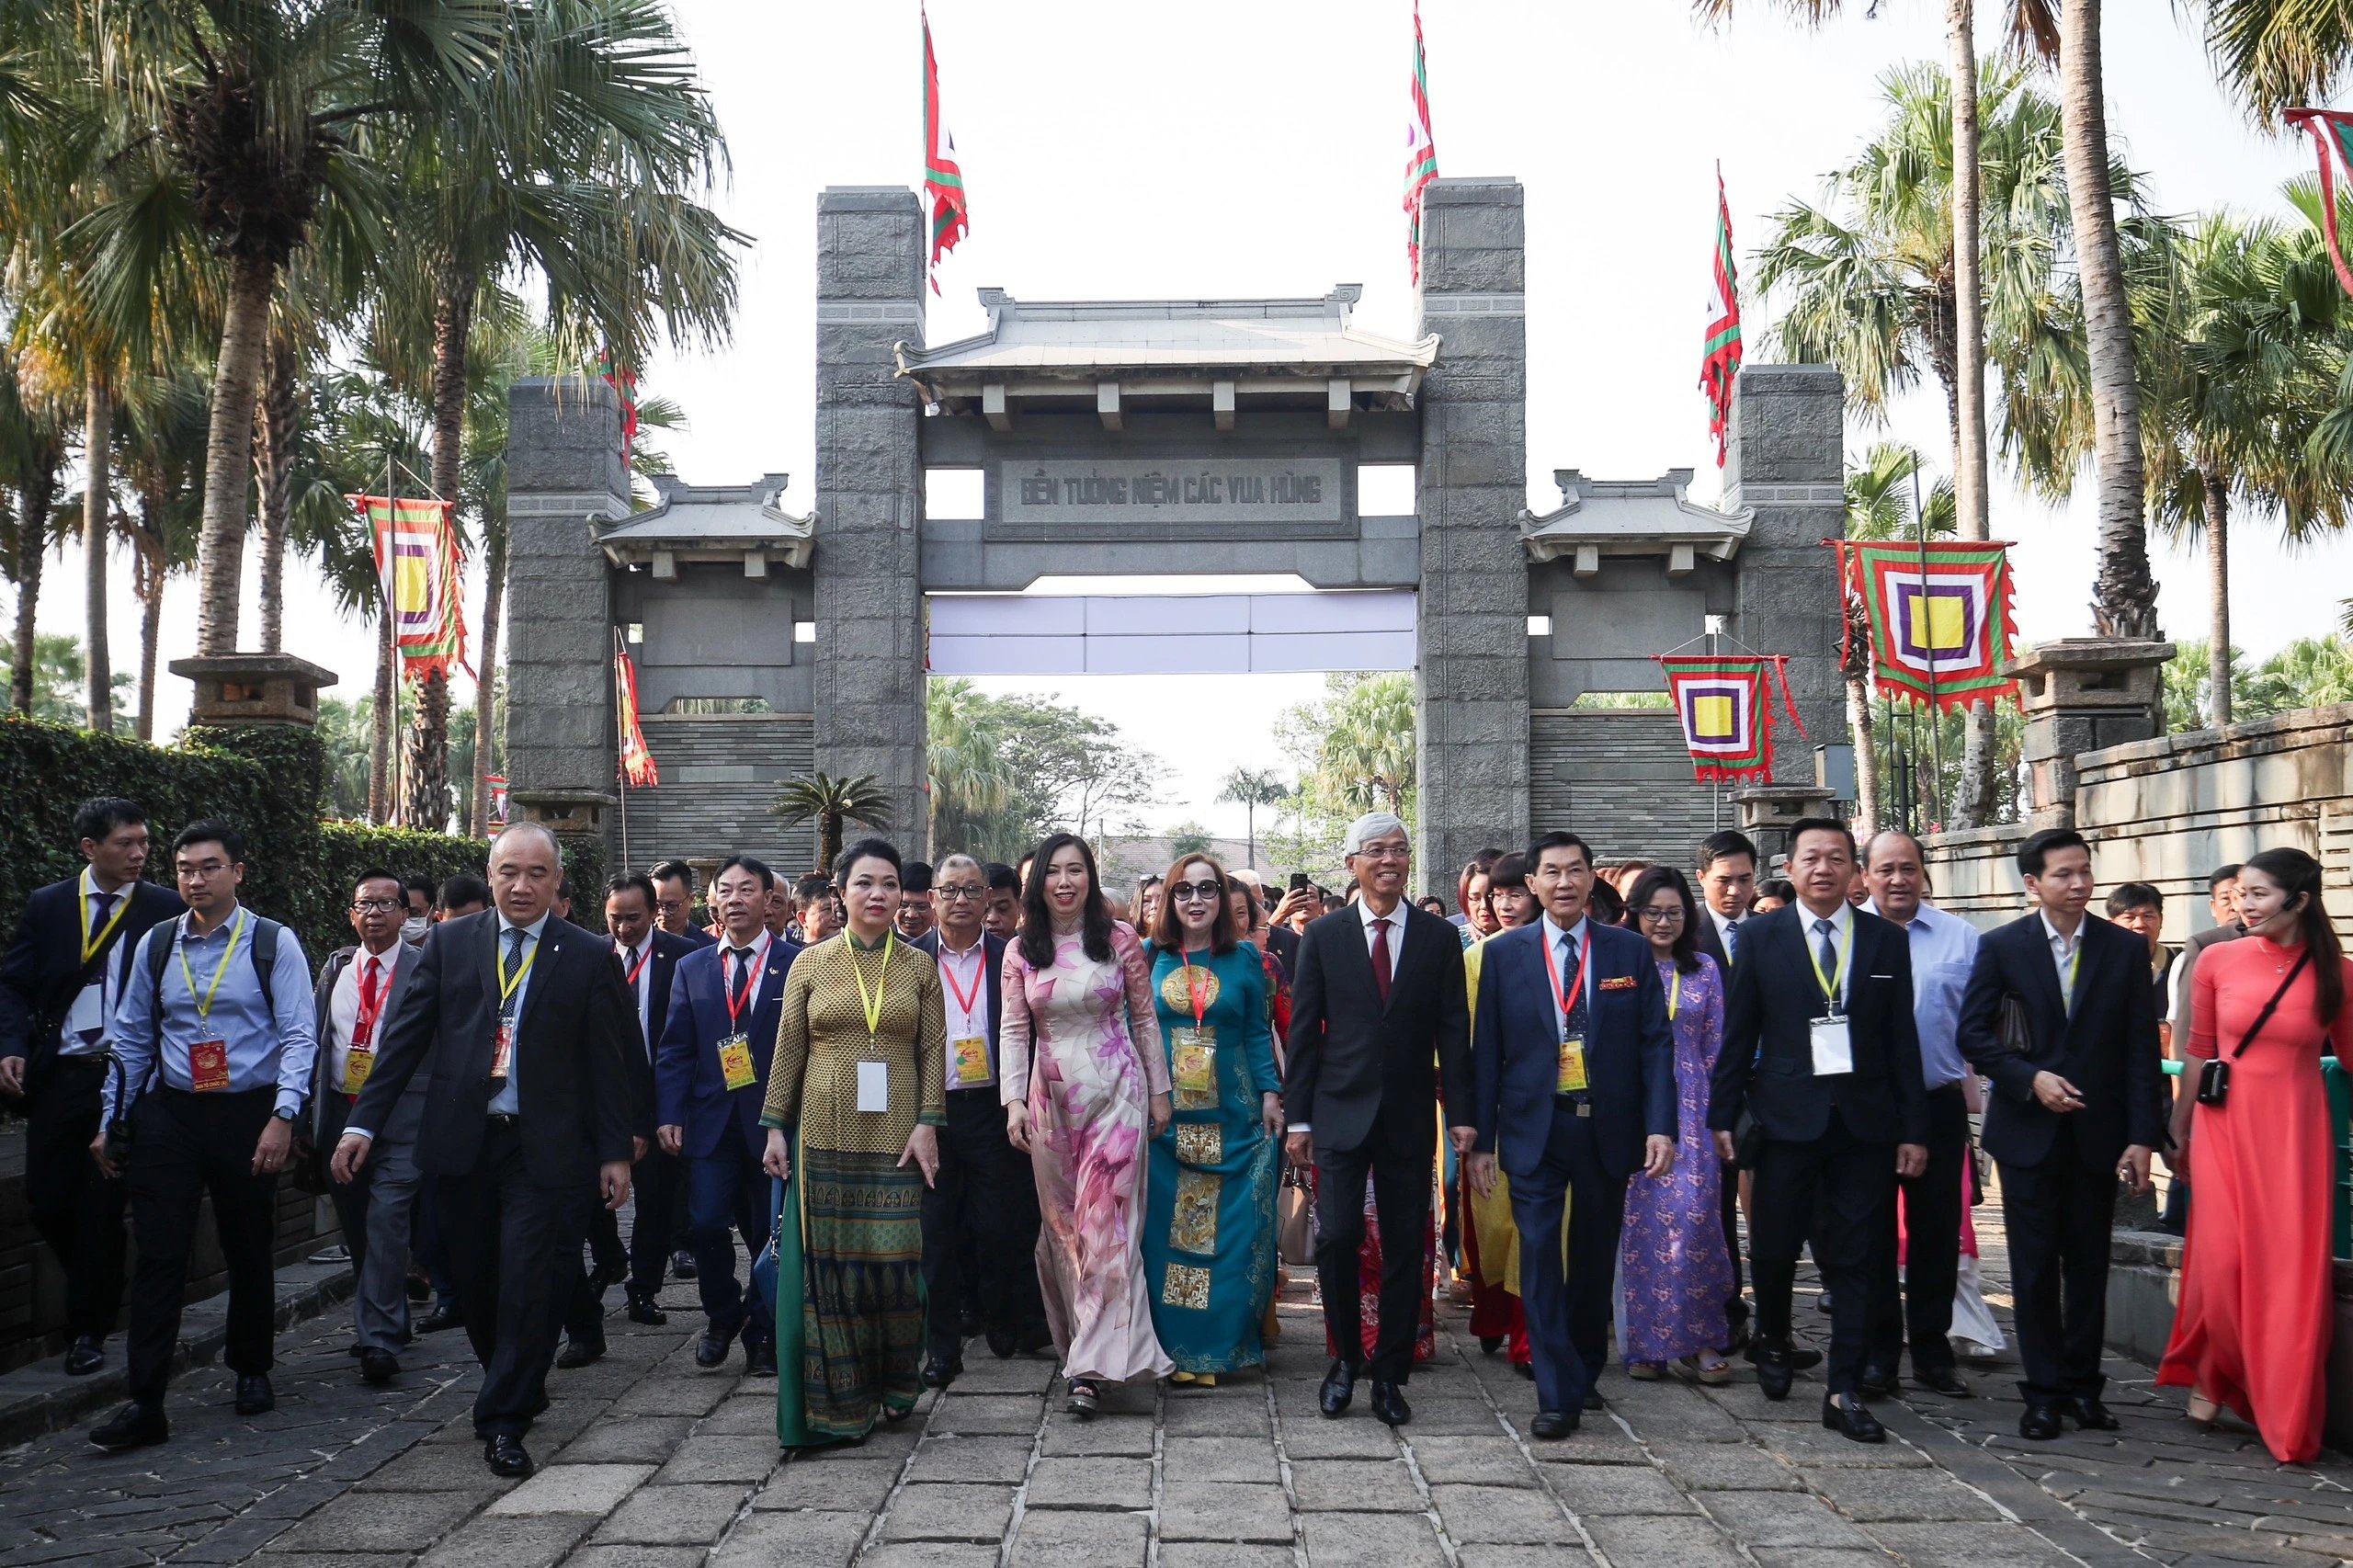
1185 1285
1192 1227
1177 999
1201 1144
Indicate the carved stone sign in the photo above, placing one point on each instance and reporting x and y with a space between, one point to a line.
1158 490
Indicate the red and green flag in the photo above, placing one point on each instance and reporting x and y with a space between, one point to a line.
637 762
1720 357
1939 615
1725 705
943 180
418 562
2332 134
1421 154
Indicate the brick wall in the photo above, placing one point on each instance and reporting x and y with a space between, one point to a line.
1621 780
718 774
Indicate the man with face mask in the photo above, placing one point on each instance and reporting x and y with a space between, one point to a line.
416 915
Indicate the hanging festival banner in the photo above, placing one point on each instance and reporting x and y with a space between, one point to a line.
624 381
1720 356
1940 618
2331 135
637 762
1725 704
943 178
418 563
495 820
1421 154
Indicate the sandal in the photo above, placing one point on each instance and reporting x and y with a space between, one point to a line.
1084 1399
2204 1410
1713 1371
1645 1371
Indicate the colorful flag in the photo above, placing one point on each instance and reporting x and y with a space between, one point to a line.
1421 154
2332 134
1725 704
943 180
637 762
624 381
1939 615
1719 358
417 561
495 820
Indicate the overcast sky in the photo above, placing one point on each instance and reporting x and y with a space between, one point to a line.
1233 149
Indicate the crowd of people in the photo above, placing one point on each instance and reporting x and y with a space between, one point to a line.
882 1112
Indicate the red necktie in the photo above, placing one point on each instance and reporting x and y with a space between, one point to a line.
367 987
1380 977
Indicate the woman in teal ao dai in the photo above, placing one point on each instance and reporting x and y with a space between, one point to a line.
1209 1241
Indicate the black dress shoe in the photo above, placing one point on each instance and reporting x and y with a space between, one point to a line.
759 1361
1876 1382
419 1289
1490 1342
1798 1357
579 1352
1035 1340
254 1396
2039 1424
1389 1406
1339 1387
1001 1343
682 1265
710 1350
1852 1420
1738 1340
643 1309
507 1455
1526 1370
1773 1369
1551 1425
939 1370
135 1425
1945 1380
2092 1416
438 1319
968 1324
379 1366
1593 1400
87 1356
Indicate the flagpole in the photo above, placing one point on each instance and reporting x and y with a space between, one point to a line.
621 766
1928 641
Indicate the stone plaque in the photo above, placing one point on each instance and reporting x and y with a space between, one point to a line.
1278 490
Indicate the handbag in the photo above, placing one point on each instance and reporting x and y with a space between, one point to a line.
2214 1077
1748 1141
764 1267
1291 1205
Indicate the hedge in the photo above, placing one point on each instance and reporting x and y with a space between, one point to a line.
268 781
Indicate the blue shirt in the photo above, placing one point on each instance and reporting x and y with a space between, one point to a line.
264 1048
508 1101
1943 947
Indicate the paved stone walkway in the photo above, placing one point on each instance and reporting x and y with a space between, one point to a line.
648 1463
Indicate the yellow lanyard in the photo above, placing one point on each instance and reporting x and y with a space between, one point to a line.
90 945
204 1006
1673 990
873 1002
2075 962
1833 985
507 984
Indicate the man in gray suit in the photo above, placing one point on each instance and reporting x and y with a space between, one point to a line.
358 987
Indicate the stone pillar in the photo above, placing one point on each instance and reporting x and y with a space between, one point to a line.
2082 694
564 478
234 689
1786 461
1767 812
1471 699
869 654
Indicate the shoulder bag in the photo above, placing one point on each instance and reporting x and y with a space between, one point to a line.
2214 1077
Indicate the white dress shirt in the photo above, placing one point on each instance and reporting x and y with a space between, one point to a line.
343 1009
642 986
2064 952
508 1101
1564 964
1842 927
1725 938
83 1030
1396 918
969 969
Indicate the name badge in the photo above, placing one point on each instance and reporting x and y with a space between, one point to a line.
873 1086
1573 1076
1834 1049
502 1049
735 1061
208 1066
971 1060
357 1064
1195 1054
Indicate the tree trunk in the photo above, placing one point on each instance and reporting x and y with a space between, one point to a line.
829 841
228 455
380 740
1859 730
150 570
493 603
275 433
2218 591
1972 510
33 549
98 528
428 752
2124 601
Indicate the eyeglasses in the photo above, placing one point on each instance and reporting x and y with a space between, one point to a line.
1385 851
1191 892
203 870
1661 916
960 895
672 905
375 906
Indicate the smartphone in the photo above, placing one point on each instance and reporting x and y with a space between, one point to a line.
1298 880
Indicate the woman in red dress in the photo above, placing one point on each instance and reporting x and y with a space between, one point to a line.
2252 1333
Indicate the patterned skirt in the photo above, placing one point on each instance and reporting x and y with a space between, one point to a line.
850 1295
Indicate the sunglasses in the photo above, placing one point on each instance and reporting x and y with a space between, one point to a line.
1191 892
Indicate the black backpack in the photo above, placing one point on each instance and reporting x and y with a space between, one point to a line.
262 950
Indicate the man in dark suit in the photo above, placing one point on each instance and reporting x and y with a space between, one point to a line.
59 984
1822 1051
1379 1019
2077 1103
649 957
674 903
710 1077
1575 1084
359 987
979 1219
1727 880
524 1023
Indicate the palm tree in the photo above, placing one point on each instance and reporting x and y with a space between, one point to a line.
830 802
2245 356
1879 508
974 790
33 455
1250 788
1367 759
161 437
2279 54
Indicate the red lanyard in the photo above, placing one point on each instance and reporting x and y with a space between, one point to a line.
644 955
754 963
372 992
1553 972
966 1002
1193 989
